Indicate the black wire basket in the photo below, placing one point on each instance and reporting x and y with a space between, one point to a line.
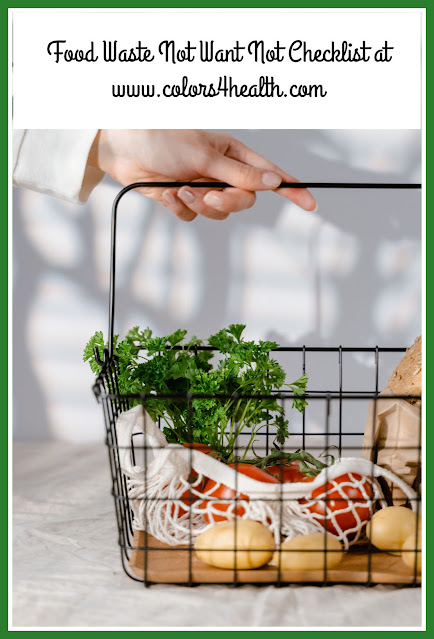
338 410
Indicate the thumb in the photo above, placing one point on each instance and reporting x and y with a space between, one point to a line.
243 176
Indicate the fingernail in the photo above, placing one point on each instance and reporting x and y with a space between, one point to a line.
186 196
169 198
213 200
271 179
309 202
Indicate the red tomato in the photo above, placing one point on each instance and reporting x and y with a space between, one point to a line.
340 499
288 473
203 448
224 492
188 498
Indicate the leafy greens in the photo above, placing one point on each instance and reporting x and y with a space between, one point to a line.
171 365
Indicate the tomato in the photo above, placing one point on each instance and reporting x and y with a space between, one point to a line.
288 473
203 448
224 492
188 498
340 498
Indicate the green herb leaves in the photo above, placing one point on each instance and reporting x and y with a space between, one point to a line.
234 387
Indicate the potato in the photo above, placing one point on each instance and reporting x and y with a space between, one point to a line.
253 542
306 552
409 556
390 527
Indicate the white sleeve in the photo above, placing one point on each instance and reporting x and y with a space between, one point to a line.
54 161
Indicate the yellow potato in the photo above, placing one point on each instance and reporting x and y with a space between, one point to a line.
390 527
306 552
409 554
247 545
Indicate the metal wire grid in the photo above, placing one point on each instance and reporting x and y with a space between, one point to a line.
106 390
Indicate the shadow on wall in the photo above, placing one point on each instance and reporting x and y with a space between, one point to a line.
349 274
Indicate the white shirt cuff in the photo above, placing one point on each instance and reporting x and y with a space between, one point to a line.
54 161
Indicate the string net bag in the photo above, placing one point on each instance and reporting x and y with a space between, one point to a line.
171 503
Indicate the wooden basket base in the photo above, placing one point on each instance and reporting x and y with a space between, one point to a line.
170 565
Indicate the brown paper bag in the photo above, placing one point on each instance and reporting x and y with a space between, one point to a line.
393 438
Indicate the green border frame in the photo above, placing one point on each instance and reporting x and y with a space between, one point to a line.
429 138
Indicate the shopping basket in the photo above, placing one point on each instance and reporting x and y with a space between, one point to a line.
151 554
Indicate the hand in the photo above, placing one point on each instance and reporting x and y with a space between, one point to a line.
151 155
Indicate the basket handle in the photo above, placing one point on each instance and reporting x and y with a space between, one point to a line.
108 353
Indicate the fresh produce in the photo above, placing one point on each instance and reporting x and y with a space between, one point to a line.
172 366
224 492
202 448
187 497
334 505
309 552
411 552
390 527
288 473
242 544
289 467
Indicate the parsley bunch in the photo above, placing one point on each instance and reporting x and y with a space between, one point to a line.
152 365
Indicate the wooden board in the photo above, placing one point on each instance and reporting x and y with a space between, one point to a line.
170 564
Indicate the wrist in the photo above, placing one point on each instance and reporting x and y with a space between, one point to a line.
112 151
102 154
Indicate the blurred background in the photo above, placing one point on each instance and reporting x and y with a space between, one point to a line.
349 274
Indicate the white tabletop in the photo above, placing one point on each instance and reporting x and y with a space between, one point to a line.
67 571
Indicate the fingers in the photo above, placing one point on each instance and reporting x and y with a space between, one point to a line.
216 204
187 202
194 199
301 197
232 200
244 176
177 207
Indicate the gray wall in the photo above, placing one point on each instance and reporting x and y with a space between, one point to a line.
349 274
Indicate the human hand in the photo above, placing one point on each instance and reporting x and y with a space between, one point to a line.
192 155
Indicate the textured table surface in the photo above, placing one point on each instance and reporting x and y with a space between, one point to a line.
67 572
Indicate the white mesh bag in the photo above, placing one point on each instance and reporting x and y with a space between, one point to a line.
285 508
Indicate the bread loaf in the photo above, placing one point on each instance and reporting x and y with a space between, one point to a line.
406 379
392 432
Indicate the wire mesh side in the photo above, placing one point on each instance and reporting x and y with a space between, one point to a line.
333 433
